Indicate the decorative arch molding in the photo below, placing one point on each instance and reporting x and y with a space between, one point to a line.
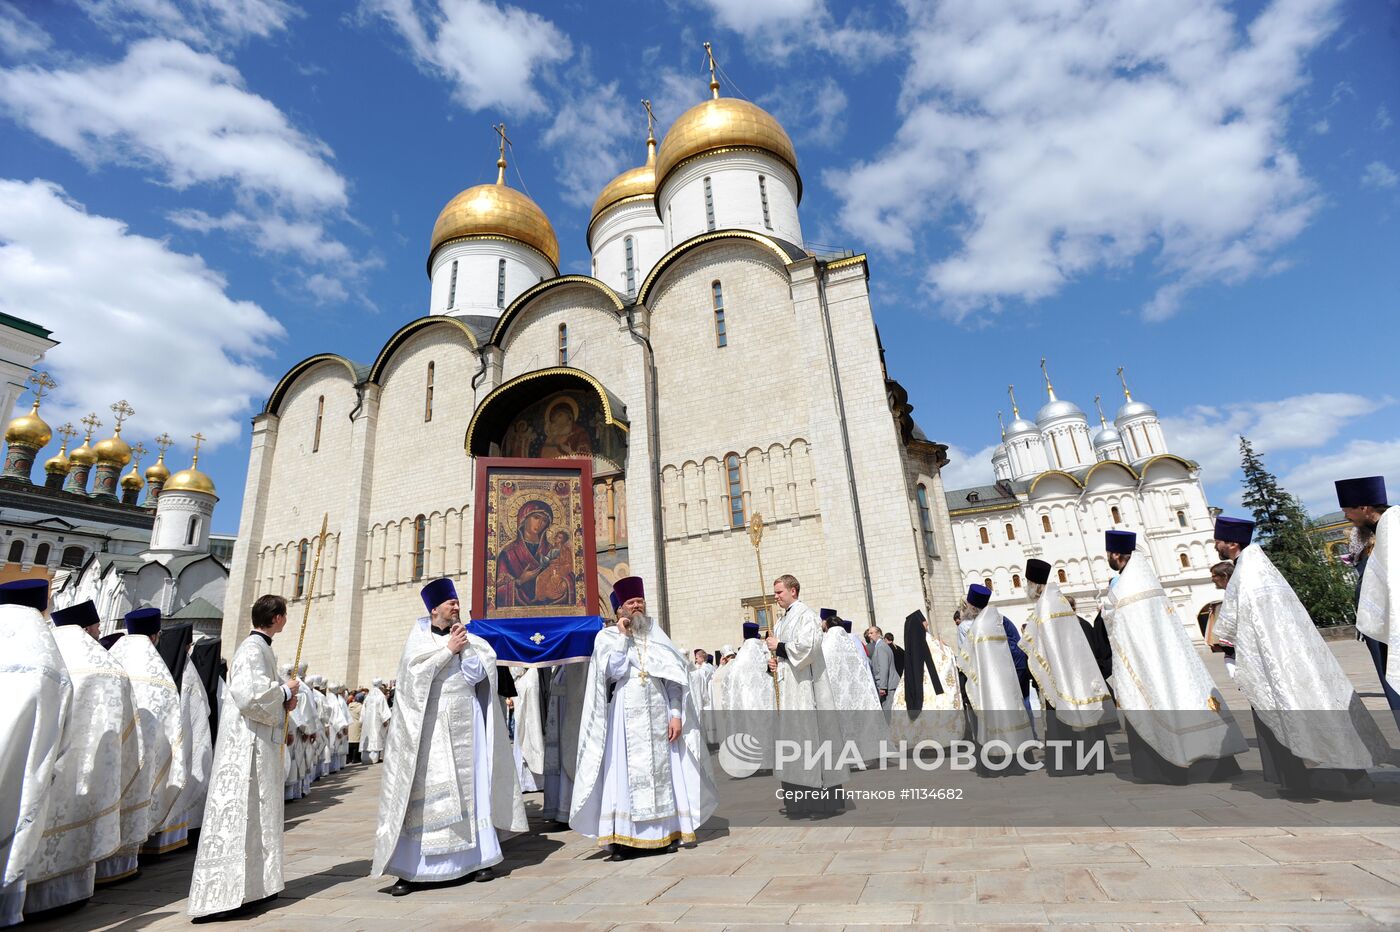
1110 463
520 304
411 329
494 412
1184 463
1053 472
279 394
785 253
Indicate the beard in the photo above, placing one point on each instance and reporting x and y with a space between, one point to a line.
1361 540
641 624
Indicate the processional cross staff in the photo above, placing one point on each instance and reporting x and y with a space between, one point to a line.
310 592
756 538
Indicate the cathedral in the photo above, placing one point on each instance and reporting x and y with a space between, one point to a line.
713 368
1058 488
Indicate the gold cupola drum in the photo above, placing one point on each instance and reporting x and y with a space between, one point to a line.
82 459
27 434
132 483
157 474
57 466
112 455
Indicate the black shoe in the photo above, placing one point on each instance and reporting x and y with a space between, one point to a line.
615 853
485 875
402 888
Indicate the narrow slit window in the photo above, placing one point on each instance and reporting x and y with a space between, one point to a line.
1015 580
736 491
926 521
428 394
1181 518
987 582
1045 524
420 547
501 283
563 344
982 533
303 556
763 198
1185 561
631 265
1117 515
721 332
709 206
452 286
1010 532
320 416
1060 575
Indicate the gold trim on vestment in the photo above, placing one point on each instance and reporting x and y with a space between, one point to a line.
115 877
60 829
629 841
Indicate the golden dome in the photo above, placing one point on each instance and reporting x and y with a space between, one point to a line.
58 464
29 430
133 481
83 456
114 451
495 210
158 471
635 182
723 123
190 480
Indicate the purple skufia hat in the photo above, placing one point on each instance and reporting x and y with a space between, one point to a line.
143 621
437 592
978 596
83 614
31 593
1234 531
1356 493
1119 541
629 587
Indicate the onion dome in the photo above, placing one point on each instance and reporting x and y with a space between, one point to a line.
632 185
1107 435
84 455
1131 409
113 451
190 480
29 429
58 464
132 481
1056 409
720 124
495 210
158 471
1019 426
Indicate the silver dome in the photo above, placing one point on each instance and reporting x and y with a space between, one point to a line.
1107 436
1020 428
1058 409
1134 409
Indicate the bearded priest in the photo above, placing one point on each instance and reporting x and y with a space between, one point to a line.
1179 729
449 771
158 716
643 778
103 757
240 845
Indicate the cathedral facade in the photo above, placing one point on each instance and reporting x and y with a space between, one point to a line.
712 368
1058 488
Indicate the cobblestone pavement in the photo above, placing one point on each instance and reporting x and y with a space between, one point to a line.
1311 874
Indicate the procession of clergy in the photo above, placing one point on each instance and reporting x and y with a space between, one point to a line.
107 752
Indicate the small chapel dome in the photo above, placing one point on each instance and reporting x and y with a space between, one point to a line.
1134 409
84 455
29 430
114 450
158 471
132 481
1107 436
723 123
189 480
1020 427
495 210
633 184
58 464
1059 409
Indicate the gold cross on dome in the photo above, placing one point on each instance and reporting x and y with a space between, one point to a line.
121 411
198 438
43 384
714 81
500 129
91 423
67 433
164 443
138 453
537 638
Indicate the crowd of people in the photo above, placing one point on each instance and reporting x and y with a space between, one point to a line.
115 751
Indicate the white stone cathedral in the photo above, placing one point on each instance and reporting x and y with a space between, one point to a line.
1058 488
712 366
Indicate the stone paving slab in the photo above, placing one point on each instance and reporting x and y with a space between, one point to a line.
1223 864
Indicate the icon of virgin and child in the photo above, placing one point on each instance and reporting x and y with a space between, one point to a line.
537 568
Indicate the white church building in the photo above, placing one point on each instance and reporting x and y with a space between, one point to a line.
1058 487
716 366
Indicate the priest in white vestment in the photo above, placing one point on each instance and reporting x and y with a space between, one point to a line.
749 684
103 756
240 846
717 687
292 758
310 740
643 779
1375 554
449 777
158 716
1178 727
702 674
35 711
855 703
340 728
1067 675
529 728
1314 731
374 722
997 706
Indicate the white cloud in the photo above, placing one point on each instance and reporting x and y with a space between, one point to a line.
200 22
1066 139
1322 127
783 27
815 118
1313 481
595 135
136 320
189 118
1379 175
492 55
20 35
1382 120
967 469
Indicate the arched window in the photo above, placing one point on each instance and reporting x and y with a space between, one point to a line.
420 547
1117 515
501 283
303 568
986 538
1185 561
1010 532
16 552
763 197
192 532
428 393
1015 580
1045 524
717 297
736 490
452 286
1061 576
925 520
41 556
72 556
563 344
320 416
709 206
631 265
987 582
1181 518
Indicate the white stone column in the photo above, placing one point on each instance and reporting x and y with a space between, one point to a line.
348 604
243 580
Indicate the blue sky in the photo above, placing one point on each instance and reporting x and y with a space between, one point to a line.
196 195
